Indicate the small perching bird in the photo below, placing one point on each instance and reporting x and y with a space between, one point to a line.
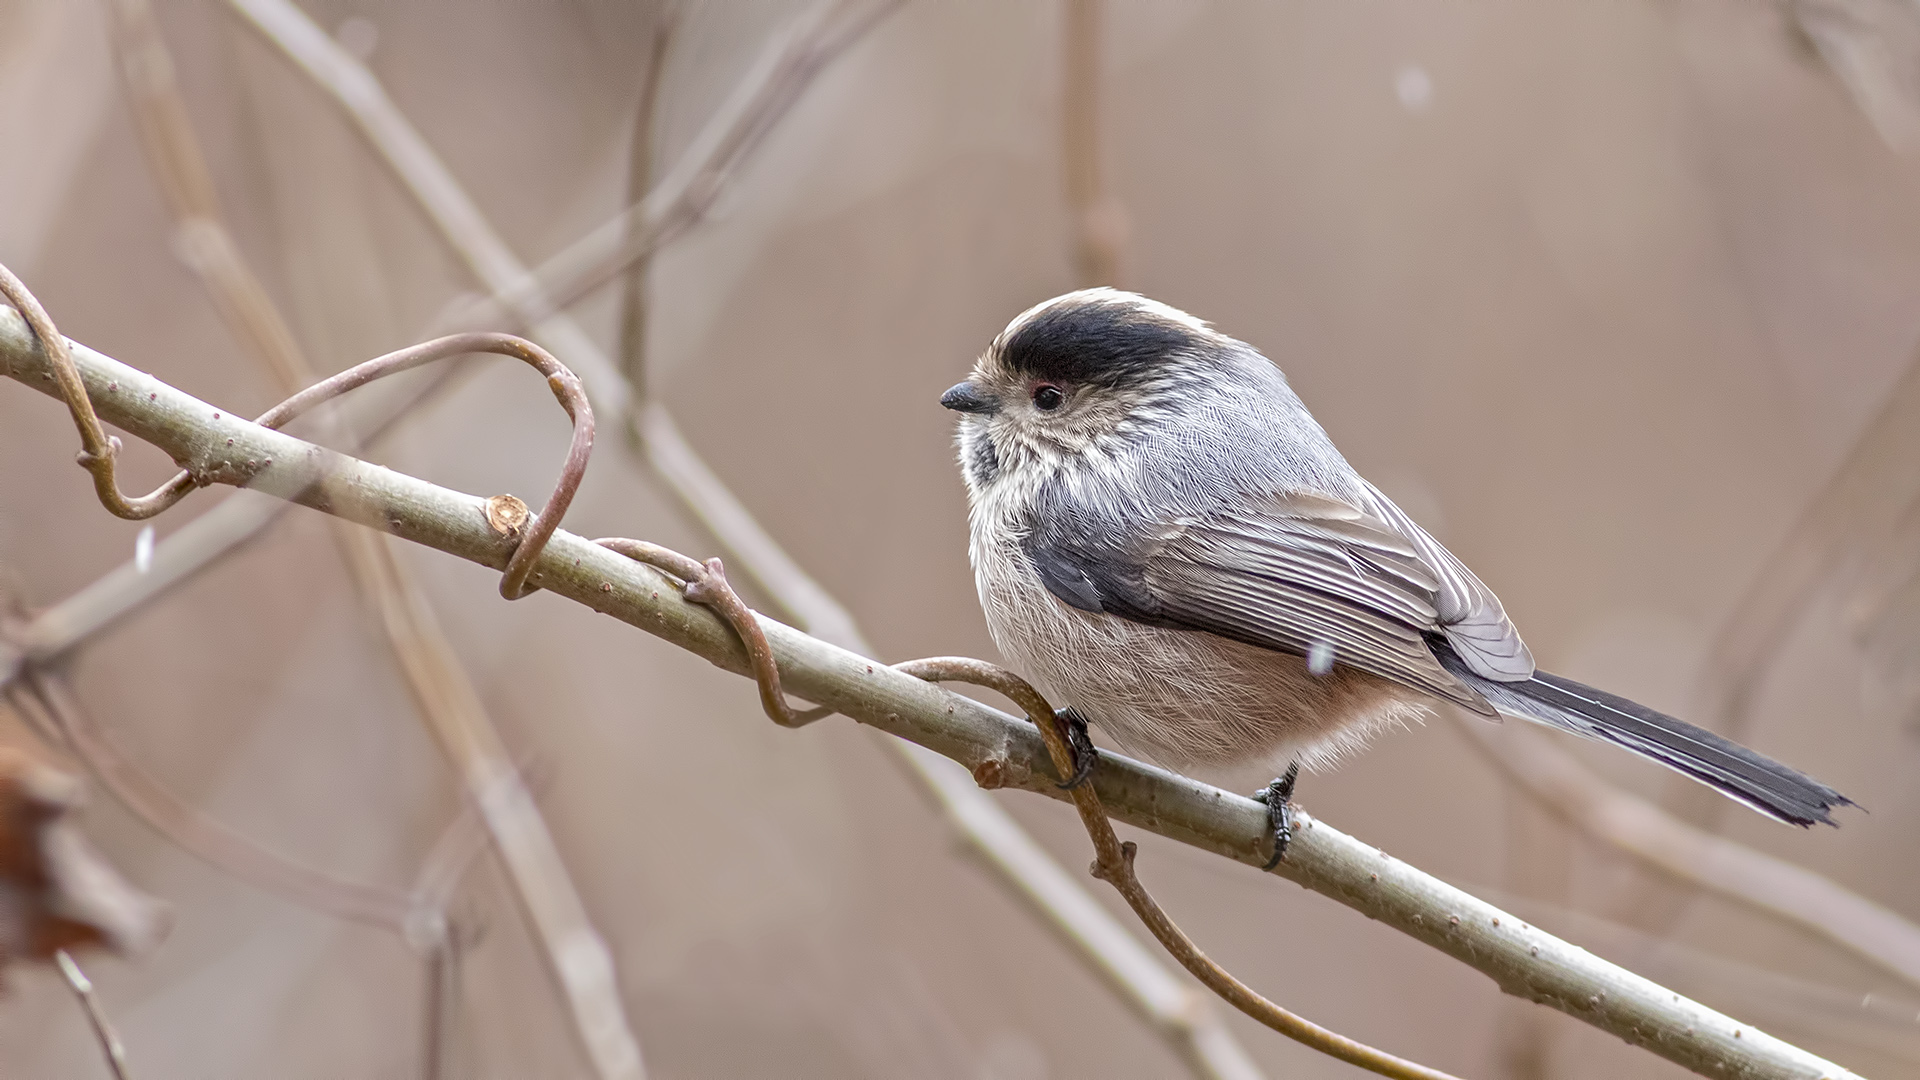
1165 539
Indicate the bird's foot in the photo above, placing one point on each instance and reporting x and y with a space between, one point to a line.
1085 755
1276 796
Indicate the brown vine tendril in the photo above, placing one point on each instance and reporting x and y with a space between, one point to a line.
99 449
566 387
707 584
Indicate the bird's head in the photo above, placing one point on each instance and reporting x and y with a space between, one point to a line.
1075 377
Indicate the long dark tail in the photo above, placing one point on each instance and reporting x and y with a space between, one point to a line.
1721 764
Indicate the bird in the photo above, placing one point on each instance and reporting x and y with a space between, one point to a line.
1164 538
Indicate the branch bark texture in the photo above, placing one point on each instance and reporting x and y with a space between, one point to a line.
1000 750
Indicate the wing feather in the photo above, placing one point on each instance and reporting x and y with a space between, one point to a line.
1305 570
1289 572
1471 616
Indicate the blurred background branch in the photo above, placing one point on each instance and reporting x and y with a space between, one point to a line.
1695 856
443 693
1859 536
1099 218
110 1045
46 701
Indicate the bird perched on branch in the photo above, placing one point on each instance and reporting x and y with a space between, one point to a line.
1165 538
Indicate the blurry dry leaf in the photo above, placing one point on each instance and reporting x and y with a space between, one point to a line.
56 892
1874 47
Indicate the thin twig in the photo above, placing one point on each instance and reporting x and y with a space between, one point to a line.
1521 958
442 1005
442 939
633 302
110 1044
127 588
178 166
1697 857
1099 221
193 832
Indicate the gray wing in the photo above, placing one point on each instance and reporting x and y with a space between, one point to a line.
1471 617
1290 573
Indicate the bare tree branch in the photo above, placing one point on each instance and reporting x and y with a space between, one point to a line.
82 987
1734 871
998 748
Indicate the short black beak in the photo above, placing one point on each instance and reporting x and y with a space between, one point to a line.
967 398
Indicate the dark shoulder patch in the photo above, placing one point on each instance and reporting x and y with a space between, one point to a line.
1064 578
983 463
1084 560
1107 343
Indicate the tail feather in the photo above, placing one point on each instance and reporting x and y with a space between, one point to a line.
1720 763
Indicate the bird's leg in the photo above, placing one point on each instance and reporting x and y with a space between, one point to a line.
1074 726
1279 818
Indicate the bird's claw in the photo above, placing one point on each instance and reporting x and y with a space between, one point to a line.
1085 755
1276 796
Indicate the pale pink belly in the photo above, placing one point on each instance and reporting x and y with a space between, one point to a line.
1193 702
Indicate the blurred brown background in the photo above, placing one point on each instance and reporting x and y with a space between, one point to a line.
1601 293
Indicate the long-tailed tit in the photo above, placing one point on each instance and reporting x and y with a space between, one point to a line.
1165 539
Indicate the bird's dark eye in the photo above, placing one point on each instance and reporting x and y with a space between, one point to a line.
1047 398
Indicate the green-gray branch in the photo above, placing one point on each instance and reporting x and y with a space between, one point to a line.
1001 750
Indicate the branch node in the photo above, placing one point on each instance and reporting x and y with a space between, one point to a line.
991 773
506 514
